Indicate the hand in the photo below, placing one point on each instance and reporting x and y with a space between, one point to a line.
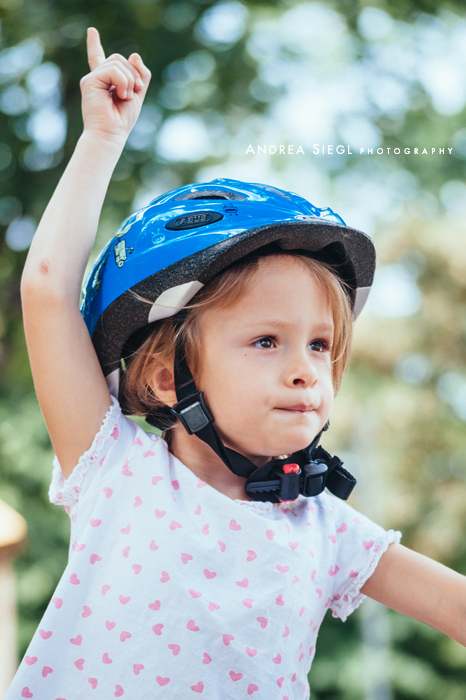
113 93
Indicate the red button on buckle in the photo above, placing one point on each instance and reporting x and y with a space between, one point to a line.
291 468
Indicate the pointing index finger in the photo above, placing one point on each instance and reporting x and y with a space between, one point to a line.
95 52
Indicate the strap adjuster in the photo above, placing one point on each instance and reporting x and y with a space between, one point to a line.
193 412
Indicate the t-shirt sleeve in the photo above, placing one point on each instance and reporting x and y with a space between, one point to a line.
360 545
111 445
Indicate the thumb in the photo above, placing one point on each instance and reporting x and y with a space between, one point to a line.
95 52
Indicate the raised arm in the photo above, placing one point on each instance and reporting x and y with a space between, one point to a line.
70 385
420 588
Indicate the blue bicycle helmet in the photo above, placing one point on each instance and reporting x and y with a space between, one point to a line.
167 251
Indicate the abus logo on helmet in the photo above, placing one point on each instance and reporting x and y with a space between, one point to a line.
194 220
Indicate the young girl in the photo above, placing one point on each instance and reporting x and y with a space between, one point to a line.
202 563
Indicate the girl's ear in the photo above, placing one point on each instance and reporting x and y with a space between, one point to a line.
163 385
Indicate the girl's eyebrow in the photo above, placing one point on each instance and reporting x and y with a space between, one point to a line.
274 323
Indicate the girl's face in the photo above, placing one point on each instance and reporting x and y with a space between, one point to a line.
265 362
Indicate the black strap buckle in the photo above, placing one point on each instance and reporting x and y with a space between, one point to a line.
193 412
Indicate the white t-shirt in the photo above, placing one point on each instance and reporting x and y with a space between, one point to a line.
174 590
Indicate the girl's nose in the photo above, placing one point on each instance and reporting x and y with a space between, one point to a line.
301 372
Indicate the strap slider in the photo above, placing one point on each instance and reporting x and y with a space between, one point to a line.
193 412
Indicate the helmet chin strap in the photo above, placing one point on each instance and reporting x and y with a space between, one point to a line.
307 472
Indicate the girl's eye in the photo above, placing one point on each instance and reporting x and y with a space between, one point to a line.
265 343
319 345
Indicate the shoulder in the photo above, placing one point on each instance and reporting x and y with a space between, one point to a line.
118 442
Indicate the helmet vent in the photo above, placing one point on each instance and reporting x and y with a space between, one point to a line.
211 194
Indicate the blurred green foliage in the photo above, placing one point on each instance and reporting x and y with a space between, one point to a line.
419 449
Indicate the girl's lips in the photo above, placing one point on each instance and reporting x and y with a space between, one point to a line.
301 408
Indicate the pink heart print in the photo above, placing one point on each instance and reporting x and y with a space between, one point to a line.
280 681
137 501
157 629
262 621
332 538
93 682
75 580
94 557
293 545
279 600
227 638
209 574
126 530
154 547
86 611
206 658
368 544
165 577
125 551
251 555
234 525
116 433
247 602
295 579
45 634
137 441
343 528
176 484
118 691
125 471
222 545
124 636
162 681
109 625
319 592
155 605
58 602
46 670
282 569
137 568
185 558
95 522
124 599
174 525
333 570
252 687
106 659
251 652
80 664
175 649
194 594
198 688
235 676
244 583
159 513
108 492
30 660
137 668
213 606
205 530
277 659
192 626
149 453
270 534
105 589
286 632
198 510
25 693
353 574
155 479
77 641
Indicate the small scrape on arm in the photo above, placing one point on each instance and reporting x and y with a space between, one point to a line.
44 267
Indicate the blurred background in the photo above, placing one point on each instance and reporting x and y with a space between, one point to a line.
386 75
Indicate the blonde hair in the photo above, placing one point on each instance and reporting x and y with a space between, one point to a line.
222 291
